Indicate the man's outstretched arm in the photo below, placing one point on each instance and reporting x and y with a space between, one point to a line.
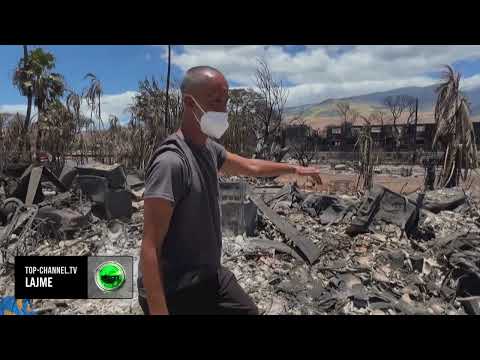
156 220
238 165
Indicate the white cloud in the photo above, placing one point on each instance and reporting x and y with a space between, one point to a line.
13 109
237 62
326 71
114 104
470 83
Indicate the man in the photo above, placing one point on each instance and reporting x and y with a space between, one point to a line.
179 269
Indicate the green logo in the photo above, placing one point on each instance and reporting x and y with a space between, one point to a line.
110 276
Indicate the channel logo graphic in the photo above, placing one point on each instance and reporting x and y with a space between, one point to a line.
73 277
110 277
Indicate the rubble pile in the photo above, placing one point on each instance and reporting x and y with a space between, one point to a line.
72 219
432 270
294 252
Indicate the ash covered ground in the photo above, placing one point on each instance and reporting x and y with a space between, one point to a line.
339 255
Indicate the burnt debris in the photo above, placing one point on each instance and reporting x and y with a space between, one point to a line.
383 253
294 251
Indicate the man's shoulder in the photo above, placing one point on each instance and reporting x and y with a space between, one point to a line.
166 165
168 157
169 151
215 146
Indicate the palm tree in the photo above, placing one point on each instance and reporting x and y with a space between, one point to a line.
454 130
364 144
93 94
62 128
34 77
73 102
22 79
112 136
114 123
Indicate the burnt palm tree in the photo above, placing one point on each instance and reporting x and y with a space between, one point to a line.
92 95
62 127
454 130
364 144
74 102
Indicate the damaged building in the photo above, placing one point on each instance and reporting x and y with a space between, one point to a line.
343 137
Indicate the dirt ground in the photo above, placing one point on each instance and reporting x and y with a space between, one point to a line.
344 181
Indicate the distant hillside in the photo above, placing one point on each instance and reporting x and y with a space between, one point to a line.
324 113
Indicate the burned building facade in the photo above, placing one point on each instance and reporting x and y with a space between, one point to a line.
296 134
402 137
410 137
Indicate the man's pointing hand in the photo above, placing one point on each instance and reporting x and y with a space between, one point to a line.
309 171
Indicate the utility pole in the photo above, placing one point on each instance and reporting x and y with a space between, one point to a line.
415 132
26 123
167 97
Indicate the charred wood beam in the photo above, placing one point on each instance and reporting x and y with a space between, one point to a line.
304 245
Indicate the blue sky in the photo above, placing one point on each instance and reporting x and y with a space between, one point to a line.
312 72
118 67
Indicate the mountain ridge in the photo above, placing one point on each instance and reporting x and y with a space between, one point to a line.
324 113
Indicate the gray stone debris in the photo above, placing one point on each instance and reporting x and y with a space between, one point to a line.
109 203
134 182
329 209
431 269
68 174
441 200
115 174
381 205
64 220
378 272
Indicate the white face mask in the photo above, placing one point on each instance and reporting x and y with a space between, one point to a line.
212 123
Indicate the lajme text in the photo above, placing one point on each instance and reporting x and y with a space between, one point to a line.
38 281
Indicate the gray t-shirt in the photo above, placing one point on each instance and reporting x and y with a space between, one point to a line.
188 179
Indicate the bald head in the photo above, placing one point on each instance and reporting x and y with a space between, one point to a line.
200 78
204 89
